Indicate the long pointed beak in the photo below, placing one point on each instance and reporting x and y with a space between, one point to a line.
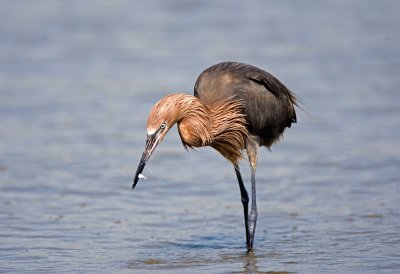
151 143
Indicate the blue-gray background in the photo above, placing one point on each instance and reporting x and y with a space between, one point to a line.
78 78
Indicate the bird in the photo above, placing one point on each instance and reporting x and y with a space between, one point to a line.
236 107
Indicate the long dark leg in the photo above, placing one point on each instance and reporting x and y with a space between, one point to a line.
245 202
252 147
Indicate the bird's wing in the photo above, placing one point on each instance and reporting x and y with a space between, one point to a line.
272 85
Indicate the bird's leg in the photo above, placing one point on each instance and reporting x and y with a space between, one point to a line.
245 202
251 148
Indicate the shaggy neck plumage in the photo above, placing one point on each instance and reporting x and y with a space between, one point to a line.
221 126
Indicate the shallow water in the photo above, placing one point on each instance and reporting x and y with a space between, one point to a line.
77 80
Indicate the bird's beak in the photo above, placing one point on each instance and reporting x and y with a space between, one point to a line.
151 143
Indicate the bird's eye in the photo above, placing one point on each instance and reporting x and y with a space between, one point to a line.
163 125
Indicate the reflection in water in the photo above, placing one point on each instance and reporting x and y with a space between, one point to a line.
246 263
250 265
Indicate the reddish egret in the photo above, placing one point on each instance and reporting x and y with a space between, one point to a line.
235 107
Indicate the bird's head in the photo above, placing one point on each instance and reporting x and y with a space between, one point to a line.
163 116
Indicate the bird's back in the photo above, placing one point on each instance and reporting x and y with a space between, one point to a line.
268 104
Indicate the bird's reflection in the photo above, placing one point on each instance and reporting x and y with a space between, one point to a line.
250 265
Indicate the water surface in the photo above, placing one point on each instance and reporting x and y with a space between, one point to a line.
77 80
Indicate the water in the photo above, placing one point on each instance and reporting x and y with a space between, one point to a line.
78 78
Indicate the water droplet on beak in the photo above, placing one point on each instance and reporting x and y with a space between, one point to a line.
141 176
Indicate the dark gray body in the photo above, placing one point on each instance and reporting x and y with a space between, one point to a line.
269 104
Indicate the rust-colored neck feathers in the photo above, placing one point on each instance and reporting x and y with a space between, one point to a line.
221 126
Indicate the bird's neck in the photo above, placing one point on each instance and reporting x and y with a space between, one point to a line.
194 122
221 126
229 129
